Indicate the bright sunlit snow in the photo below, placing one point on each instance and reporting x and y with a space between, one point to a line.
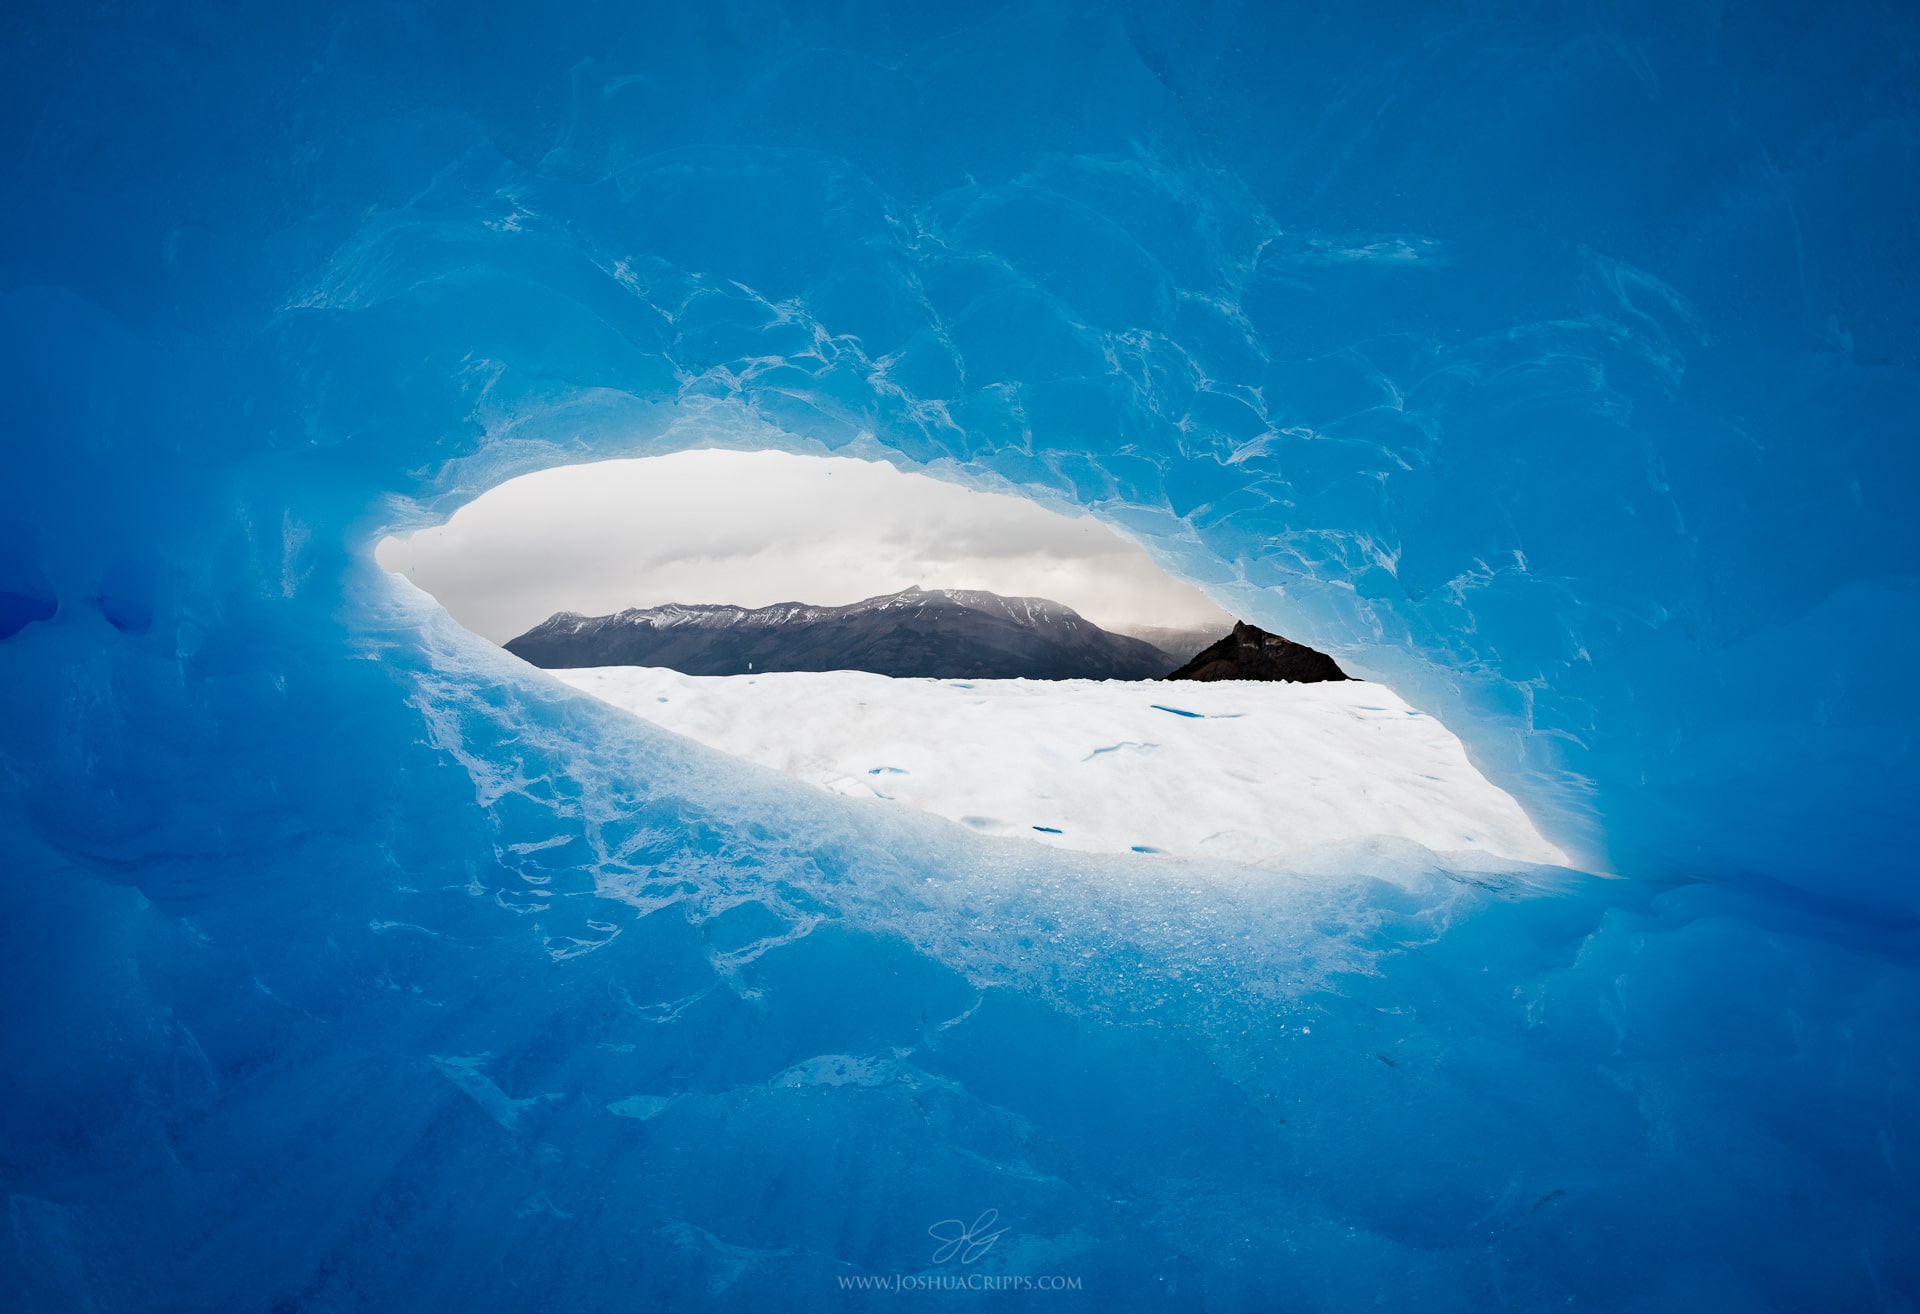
1247 772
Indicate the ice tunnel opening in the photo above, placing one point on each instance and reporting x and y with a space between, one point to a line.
753 528
886 635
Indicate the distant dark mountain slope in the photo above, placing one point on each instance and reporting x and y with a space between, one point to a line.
1250 653
1178 642
938 633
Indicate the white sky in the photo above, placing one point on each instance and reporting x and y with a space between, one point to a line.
754 528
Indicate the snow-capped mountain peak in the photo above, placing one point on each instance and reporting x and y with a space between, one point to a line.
943 633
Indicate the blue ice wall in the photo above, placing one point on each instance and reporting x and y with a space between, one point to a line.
1554 364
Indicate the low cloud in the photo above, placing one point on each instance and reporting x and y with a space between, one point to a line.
753 528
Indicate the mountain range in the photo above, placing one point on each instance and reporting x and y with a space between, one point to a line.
925 633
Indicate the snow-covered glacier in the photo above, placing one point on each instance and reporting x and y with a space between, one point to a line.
1552 365
1274 775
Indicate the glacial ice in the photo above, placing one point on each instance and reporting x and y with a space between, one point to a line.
1266 775
1551 366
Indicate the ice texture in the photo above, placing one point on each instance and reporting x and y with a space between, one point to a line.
1267 774
1552 365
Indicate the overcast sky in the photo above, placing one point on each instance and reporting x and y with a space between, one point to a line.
754 528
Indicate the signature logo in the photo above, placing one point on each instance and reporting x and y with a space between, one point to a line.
965 1242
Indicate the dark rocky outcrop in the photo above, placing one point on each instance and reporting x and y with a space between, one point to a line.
937 633
1250 653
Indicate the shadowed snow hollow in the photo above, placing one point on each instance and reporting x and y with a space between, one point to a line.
1240 771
